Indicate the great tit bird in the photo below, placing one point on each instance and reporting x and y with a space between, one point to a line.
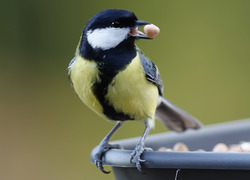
114 78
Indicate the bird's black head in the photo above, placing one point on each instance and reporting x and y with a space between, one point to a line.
111 27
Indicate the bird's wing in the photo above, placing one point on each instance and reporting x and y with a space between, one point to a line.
151 71
170 115
69 68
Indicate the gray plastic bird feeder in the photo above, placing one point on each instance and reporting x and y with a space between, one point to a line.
185 165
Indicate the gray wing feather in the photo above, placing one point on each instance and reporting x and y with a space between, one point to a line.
69 68
170 115
151 71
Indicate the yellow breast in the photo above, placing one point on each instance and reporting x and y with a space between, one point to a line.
129 92
83 74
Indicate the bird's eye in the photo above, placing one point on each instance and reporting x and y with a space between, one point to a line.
115 24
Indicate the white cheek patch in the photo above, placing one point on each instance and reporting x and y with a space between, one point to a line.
107 38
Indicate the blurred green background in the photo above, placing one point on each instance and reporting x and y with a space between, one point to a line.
46 132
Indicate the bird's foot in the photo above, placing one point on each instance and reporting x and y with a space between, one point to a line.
135 156
103 147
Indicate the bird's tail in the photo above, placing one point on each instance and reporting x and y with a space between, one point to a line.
175 118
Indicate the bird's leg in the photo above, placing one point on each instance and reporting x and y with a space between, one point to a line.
140 148
105 146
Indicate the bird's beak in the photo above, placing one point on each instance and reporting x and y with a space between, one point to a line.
134 32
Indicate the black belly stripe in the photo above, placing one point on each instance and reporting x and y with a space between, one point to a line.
107 71
100 90
109 63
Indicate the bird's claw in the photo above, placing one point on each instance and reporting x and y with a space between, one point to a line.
135 156
98 164
102 148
